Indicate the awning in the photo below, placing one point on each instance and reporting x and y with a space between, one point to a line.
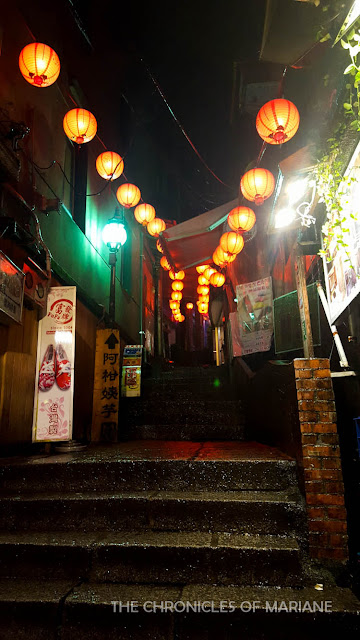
194 241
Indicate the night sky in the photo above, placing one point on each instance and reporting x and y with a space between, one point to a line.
190 48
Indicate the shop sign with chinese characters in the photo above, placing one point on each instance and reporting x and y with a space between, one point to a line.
54 385
131 371
106 385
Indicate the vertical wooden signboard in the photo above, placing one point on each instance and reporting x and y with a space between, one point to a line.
106 386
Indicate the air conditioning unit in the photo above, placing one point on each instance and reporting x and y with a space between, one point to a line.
35 283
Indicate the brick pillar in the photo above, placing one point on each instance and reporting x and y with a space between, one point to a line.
324 487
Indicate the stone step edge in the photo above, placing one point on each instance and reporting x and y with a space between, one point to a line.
215 541
109 596
242 496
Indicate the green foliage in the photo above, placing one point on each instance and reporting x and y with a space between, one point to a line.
332 185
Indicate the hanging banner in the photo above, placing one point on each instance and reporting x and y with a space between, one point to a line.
106 386
131 371
54 385
254 317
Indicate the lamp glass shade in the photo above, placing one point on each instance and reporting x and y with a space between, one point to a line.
109 165
80 125
39 64
128 195
114 234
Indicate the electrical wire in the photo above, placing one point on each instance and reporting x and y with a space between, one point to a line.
187 137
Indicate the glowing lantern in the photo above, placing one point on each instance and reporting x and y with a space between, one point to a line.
177 285
203 308
277 121
189 305
156 226
222 258
201 268
177 275
208 272
165 263
177 314
203 280
217 279
241 219
174 304
202 290
257 185
109 165
80 125
39 64
144 213
231 242
181 319
176 295
159 247
128 195
204 299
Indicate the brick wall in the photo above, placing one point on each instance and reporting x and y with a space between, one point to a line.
324 488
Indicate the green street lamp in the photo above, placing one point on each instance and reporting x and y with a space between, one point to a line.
114 235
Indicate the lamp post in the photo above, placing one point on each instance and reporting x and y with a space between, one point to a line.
114 235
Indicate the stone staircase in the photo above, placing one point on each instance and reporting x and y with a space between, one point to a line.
184 403
166 525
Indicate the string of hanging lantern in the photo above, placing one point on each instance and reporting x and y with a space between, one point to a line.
276 123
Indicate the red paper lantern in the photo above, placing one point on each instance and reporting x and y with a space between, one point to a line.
176 295
80 125
231 242
203 280
156 226
204 299
177 275
257 185
203 308
241 219
201 268
165 263
277 121
177 285
217 279
144 213
222 258
189 305
202 290
158 246
128 195
39 64
109 165
208 272
174 304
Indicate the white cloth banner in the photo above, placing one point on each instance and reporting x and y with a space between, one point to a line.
254 317
54 385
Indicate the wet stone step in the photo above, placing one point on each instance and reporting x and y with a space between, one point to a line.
169 558
245 512
38 610
181 411
73 473
90 609
192 432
